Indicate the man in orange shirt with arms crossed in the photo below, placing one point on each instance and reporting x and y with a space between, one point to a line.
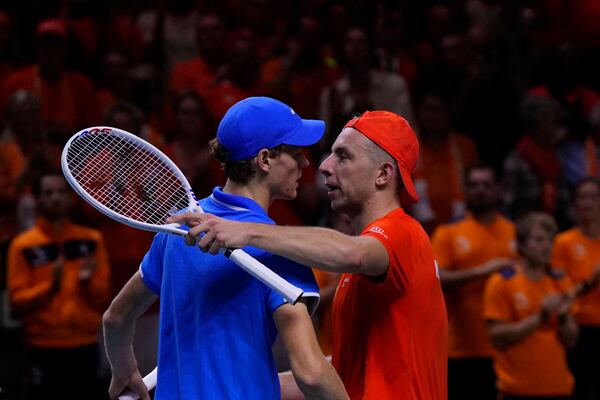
389 323
527 310
468 252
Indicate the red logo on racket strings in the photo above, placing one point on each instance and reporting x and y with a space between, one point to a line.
93 131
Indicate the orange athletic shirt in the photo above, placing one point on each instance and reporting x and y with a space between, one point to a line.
390 338
579 256
537 365
71 317
460 246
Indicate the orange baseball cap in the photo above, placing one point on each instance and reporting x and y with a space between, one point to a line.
393 134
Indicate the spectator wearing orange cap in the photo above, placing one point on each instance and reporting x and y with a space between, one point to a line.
68 98
529 318
389 318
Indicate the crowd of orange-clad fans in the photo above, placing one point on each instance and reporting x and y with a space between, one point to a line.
505 98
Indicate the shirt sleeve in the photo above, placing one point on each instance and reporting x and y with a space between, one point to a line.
296 274
151 268
442 247
496 300
405 251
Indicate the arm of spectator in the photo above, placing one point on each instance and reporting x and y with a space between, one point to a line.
567 327
94 275
452 278
26 296
506 334
119 328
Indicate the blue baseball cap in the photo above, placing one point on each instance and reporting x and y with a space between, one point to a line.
259 123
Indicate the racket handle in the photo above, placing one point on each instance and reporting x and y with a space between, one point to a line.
265 275
149 381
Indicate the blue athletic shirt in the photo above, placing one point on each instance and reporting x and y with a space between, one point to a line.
216 327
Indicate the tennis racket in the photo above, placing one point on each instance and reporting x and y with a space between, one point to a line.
149 381
132 182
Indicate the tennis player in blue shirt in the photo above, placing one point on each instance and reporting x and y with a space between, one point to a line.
217 323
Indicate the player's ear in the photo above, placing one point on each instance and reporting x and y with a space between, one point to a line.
385 173
263 160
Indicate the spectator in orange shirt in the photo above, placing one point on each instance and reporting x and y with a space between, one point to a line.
68 98
577 251
468 252
445 156
58 279
528 314
199 73
389 319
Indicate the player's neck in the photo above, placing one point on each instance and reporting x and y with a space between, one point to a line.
255 192
373 209
486 217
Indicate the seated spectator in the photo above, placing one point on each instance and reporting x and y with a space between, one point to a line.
58 280
529 318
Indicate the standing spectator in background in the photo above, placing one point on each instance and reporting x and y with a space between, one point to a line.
170 30
362 88
303 71
577 251
187 143
58 278
528 315
468 252
445 156
532 172
580 157
199 73
68 98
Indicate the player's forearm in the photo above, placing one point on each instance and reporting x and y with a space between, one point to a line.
322 383
118 341
321 248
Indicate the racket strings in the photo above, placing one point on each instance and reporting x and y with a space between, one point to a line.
126 177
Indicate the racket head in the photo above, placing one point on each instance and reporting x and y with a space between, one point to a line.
126 178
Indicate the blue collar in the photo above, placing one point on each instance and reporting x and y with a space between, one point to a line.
234 201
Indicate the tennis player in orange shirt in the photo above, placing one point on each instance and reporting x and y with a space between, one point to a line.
390 333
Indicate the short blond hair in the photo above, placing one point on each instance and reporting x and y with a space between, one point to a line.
526 224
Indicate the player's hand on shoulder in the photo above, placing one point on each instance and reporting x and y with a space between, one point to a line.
211 233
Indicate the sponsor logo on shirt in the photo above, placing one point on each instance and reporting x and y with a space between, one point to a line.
378 230
521 301
579 250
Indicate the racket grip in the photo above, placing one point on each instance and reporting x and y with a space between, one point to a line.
149 381
265 275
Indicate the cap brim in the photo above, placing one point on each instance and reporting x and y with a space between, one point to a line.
307 134
408 194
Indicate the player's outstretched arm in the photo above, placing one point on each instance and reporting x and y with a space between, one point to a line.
314 375
320 248
119 328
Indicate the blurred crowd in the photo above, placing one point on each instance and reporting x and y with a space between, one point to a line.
509 86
